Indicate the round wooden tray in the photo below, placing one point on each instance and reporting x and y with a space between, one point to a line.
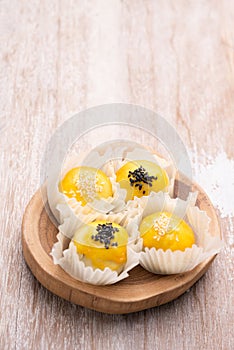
141 290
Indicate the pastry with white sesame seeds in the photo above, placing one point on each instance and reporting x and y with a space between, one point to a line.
102 244
140 177
86 184
175 234
163 230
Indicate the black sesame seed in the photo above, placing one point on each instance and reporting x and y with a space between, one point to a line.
139 176
105 233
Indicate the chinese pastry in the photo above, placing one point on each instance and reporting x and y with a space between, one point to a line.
163 230
86 184
113 219
102 244
140 177
101 252
175 235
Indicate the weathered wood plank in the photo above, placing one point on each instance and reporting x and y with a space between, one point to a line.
59 57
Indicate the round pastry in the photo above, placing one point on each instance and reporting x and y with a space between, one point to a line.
86 184
140 177
102 244
163 230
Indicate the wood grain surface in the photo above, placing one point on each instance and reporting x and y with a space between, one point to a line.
60 57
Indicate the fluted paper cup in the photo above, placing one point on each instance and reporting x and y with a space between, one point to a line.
167 262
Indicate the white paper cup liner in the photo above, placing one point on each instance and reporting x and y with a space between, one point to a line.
66 256
167 262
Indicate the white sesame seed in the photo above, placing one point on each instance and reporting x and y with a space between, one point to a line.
161 224
87 186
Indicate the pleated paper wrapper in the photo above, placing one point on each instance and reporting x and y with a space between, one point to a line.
168 262
109 161
65 254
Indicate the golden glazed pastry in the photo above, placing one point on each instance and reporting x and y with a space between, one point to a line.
86 184
102 244
164 230
140 177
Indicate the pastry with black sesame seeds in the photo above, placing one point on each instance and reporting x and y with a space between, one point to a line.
140 177
102 244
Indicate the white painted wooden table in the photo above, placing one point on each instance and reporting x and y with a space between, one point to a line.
60 57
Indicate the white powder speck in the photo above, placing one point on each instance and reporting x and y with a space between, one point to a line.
216 177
